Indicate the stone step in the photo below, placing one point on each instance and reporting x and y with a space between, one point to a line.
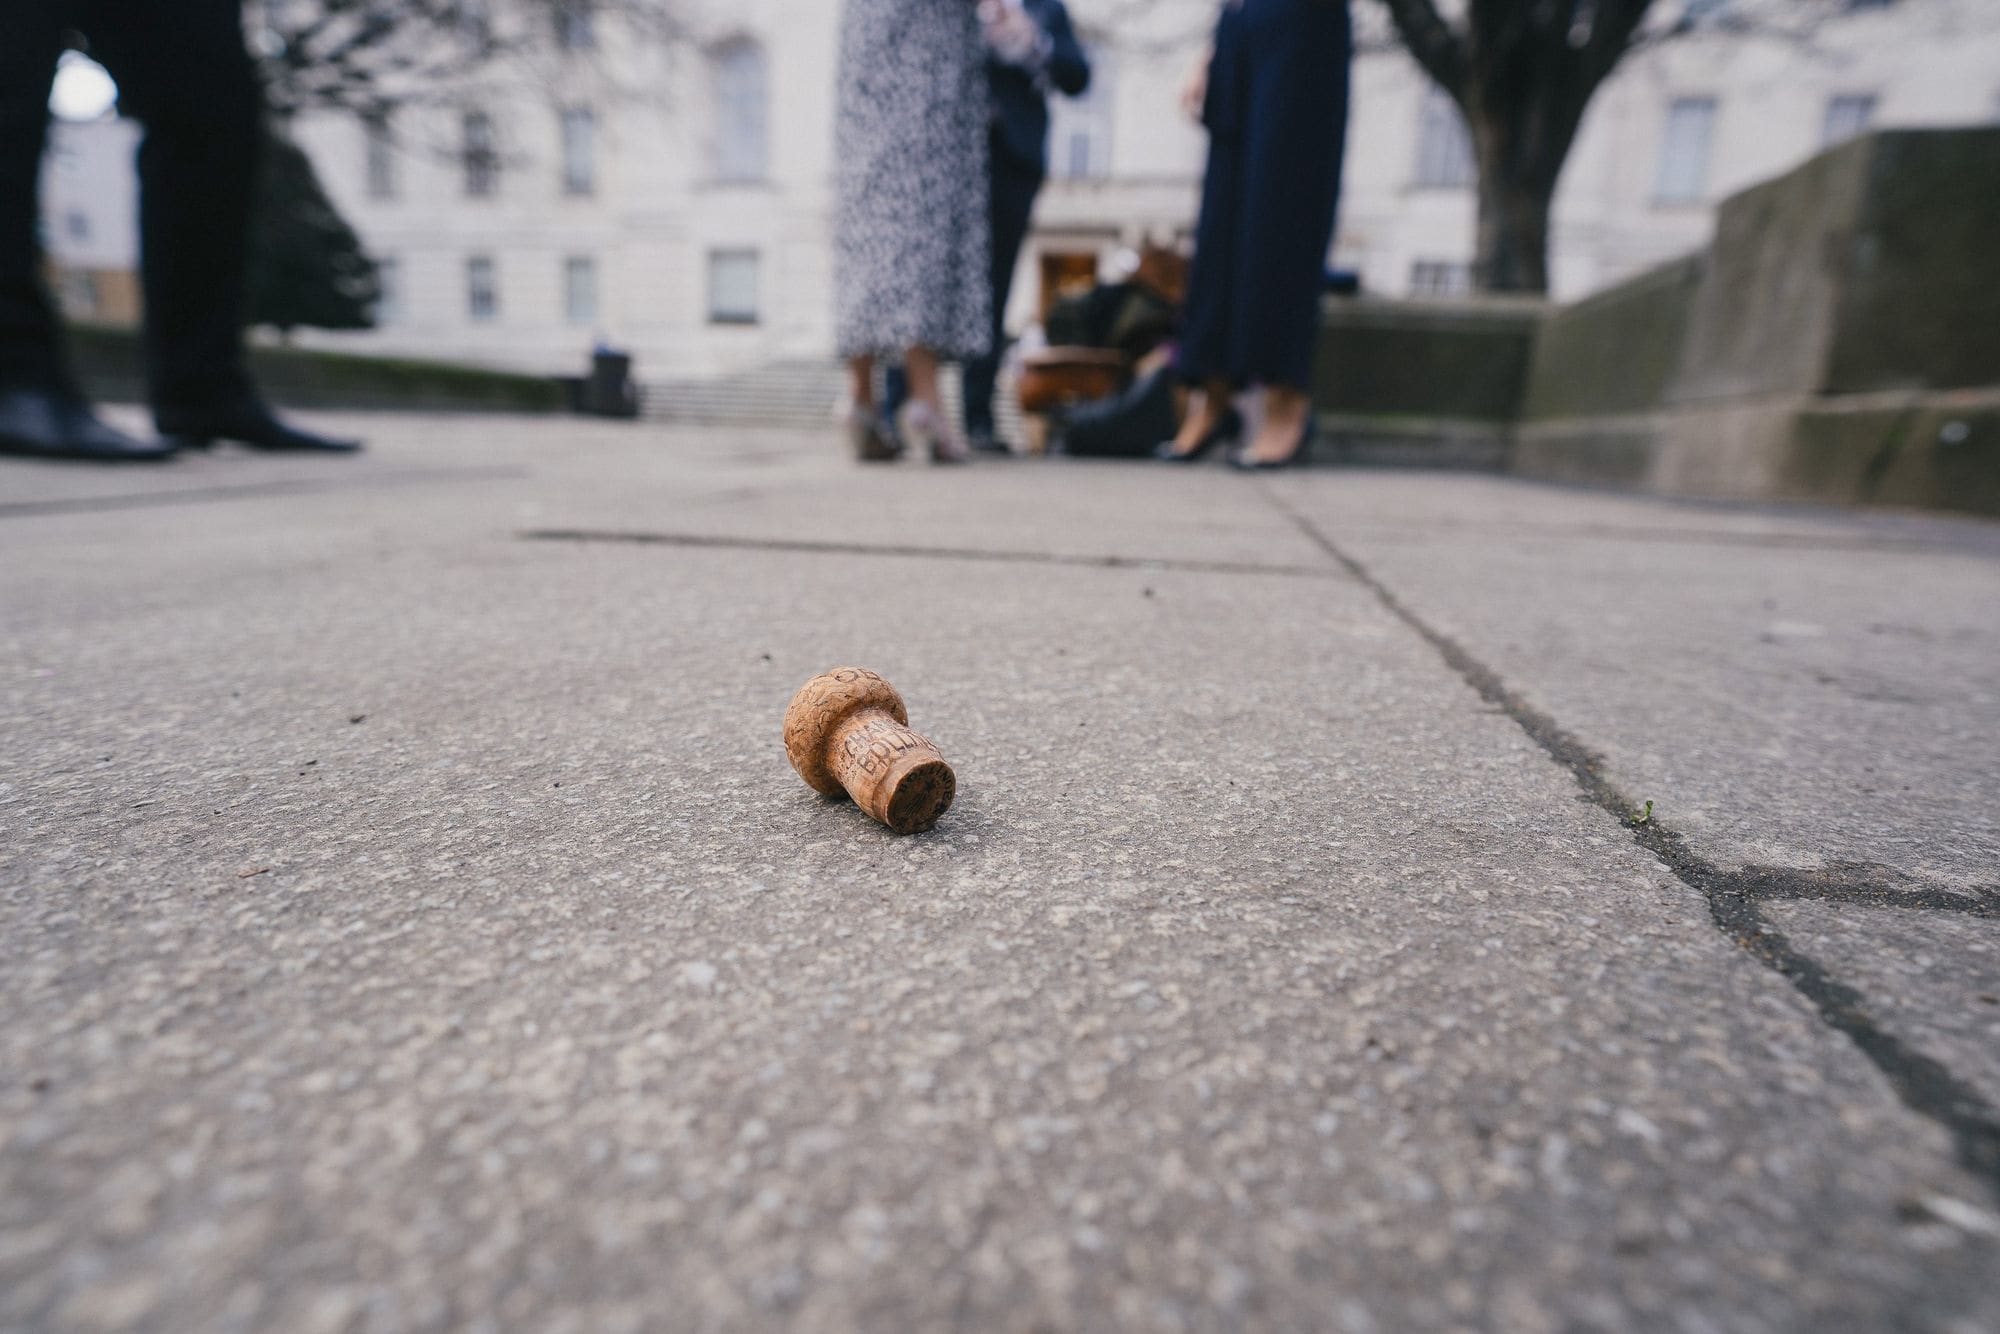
799 394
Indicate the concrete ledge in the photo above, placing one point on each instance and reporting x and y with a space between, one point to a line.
1934 450
110 364
1411 442
1617 351
1451 360
1920 267
1836 342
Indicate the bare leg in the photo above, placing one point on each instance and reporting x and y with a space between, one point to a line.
946 441
921 365
1207 407
1284 425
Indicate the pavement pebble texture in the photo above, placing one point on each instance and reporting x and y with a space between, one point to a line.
411 921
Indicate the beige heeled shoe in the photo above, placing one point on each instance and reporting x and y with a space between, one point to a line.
921 428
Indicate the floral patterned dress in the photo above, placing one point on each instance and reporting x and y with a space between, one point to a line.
910 218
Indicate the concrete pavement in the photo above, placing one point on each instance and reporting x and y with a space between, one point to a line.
412 923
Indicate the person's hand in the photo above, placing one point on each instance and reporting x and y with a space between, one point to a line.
1011 34
1194 93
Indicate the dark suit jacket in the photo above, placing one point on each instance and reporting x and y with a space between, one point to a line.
1020 99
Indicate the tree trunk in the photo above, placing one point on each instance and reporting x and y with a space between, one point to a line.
1522 71
1512 250
1521 135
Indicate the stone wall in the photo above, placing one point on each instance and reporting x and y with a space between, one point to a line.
1838 341
1422 382
1618 351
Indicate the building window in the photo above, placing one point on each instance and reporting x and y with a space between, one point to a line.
1846 116
481 156
732 286
388 291
1683 171
482 290
1080 127
1444 147
576 25
1437 277
742 112
580 289
381 153
579 151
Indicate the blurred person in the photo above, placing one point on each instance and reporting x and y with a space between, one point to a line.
182 70
1032 50
1273 94
911 248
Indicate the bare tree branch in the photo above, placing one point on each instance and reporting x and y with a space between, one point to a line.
1431 41
366 55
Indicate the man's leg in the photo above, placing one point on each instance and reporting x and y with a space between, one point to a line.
1012 205
895 392
182 69
31 33
42 413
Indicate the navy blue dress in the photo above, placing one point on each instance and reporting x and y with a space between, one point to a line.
1277 123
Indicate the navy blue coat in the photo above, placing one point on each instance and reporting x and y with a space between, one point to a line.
1021 99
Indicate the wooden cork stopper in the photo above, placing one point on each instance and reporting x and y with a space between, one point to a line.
847 732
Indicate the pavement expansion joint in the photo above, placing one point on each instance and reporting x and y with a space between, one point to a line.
1735 898
1863 884
1941 540
989 555
28 509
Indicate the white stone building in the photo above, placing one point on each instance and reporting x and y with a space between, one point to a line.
90 219
674 199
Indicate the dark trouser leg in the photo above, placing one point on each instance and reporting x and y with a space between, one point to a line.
1294 141
1011 206
895 391
1209 321
30 39
182 69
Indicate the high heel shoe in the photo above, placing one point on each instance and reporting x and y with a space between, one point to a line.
1242 462
1230 428
868 436
920 428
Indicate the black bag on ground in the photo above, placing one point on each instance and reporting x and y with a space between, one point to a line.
1127 425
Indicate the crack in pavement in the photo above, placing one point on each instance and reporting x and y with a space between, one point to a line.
22 509
1734 899
992 555
1861 884
1978 543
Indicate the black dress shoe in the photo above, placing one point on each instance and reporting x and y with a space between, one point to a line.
55 424
986 442
1242 461
250 424
1229 428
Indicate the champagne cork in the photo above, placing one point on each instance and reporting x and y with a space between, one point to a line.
848 732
